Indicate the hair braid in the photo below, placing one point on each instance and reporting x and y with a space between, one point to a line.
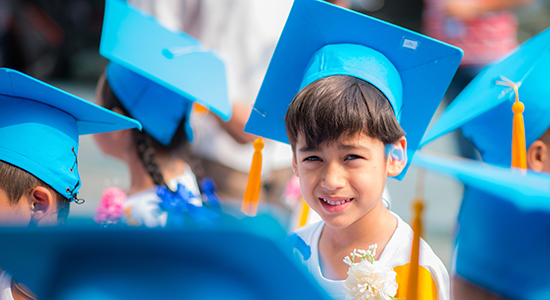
146 153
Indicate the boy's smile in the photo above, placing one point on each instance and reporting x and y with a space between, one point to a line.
343 180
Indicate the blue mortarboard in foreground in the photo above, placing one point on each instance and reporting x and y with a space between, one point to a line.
502 242
138 263
503 246
484 108
157 73
40 125
321 39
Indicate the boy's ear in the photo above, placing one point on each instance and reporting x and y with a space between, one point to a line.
397 157
537 156
43 204
295 165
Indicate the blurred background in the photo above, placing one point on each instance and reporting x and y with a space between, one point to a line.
58 41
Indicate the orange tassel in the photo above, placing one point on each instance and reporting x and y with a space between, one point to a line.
412 284
252 193
519 149
412 293
304 214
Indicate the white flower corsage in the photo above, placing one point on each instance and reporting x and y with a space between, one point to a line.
369 279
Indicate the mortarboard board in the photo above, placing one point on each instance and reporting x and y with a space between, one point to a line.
241 260
503 245
527 190
484 108
40 125
321 39
157 73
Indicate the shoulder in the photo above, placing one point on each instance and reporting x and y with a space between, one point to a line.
310 233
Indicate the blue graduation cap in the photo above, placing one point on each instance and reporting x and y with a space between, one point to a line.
503 246
40 125
484 108
230 262
321 39
504 221
157 74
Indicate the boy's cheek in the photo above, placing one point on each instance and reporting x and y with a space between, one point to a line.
13 214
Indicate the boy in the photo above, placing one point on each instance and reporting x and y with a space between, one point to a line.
39 128
361 83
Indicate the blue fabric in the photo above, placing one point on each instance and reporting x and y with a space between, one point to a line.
158 73
484 109
208 189
40 125
425 66
504 247
178 207
295 242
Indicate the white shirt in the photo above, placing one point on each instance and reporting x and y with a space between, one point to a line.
5 286
144 206
396 253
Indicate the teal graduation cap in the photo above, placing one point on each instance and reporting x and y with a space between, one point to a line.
240 260
483 109
502 242
321 39
40 125
157 73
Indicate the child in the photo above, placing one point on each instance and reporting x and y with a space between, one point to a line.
484 112
39 129
152 80
361 83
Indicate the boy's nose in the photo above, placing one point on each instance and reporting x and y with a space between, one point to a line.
334 177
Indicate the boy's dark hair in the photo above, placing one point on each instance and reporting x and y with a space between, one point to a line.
148 147
340 105
17 182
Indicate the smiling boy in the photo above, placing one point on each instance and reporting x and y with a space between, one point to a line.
342 89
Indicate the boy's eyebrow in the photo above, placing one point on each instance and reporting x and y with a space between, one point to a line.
352 147
308 149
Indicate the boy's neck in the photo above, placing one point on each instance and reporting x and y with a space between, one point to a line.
371 228
377 226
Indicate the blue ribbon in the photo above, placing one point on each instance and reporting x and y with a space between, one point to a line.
208 188
177 205
294 241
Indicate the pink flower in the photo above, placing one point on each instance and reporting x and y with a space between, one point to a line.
292 193
110 205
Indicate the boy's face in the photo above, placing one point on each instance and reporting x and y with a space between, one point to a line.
344 180
13 214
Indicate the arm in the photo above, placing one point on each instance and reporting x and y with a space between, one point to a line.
235 125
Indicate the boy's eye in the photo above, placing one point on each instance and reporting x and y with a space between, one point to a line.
313 158
352 156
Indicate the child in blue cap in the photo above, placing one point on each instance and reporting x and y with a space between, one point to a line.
343 89
484 111
39 129
156 80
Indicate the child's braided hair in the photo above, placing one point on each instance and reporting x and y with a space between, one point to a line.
148 147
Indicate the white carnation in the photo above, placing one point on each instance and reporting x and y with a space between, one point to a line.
370 281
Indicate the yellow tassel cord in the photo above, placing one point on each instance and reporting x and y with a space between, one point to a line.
303 214
252 193
519 148
412 284
199 109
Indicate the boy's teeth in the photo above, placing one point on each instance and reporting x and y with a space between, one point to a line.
336 202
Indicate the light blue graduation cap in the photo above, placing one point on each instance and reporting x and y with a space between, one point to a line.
40 125
484 108
504 222
321 39
157 74
231 262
